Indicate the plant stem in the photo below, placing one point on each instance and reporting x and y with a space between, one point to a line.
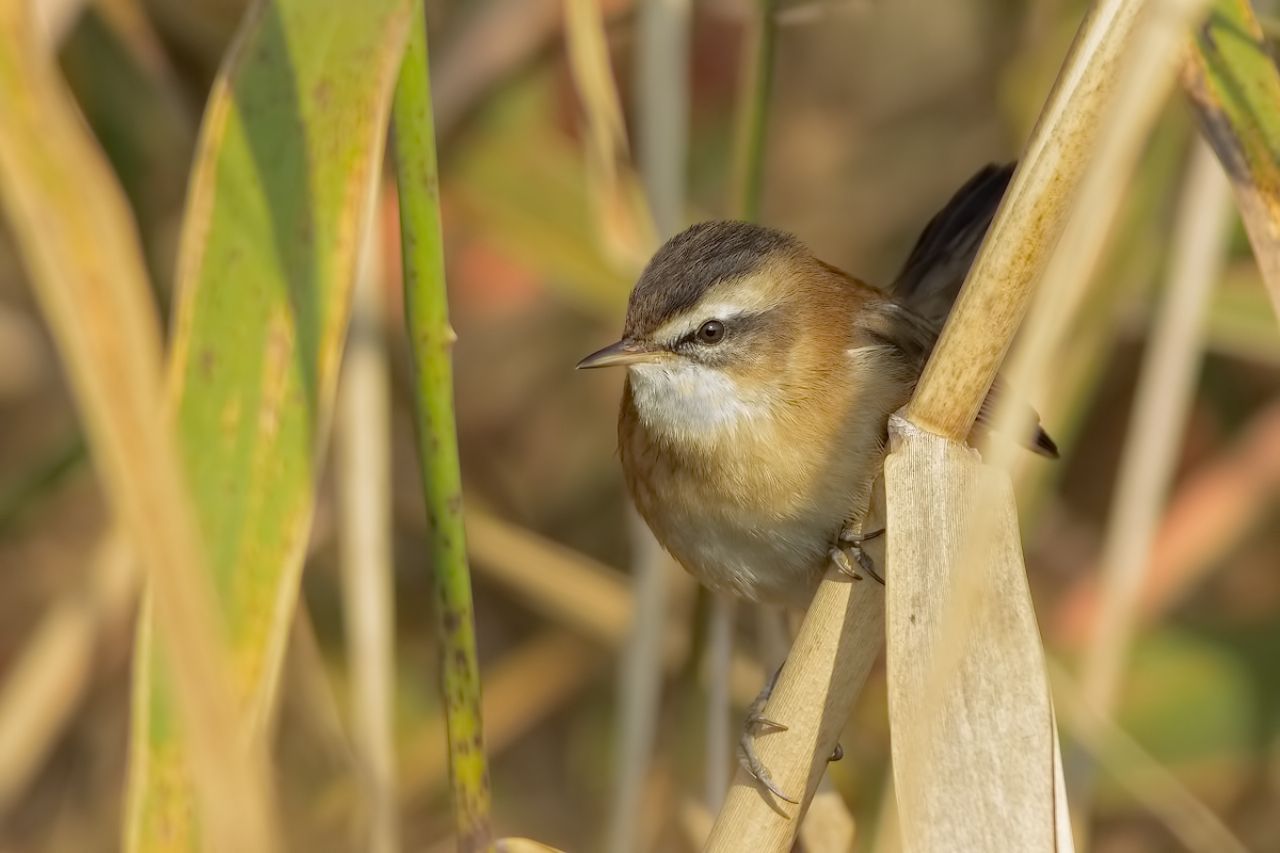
753 117
431 341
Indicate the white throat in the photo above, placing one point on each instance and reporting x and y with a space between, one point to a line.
688 401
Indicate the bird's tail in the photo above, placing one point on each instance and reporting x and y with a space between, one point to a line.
931 278
937 266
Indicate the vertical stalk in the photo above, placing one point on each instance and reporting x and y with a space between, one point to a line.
1166 389
363 454
662 103
753 115
718 659
431 341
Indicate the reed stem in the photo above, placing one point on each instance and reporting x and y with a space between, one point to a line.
431 341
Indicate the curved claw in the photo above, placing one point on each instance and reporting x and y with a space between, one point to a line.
836 754
849 537
843 564
752 764
849 542
758 722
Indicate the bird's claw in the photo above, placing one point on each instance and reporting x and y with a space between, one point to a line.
758 723
752 764
848 550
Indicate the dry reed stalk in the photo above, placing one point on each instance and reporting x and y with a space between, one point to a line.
640 681
364 479
827 827
627 230
628 218
1108 61
1214 510
1124 107
589 597
1166 385
54 19
965 667
1150 782
839 640
54 671
716 673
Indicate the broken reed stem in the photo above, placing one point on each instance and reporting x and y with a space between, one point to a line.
1125 107
1166 385
364 478
956 380
431 343
985 319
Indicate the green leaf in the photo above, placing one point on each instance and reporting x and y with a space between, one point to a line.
288 157
1233 83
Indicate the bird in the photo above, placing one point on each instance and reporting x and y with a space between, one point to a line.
759 384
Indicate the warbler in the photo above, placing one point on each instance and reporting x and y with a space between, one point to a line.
759 385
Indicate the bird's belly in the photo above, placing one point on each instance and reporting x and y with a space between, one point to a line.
779 564
763 533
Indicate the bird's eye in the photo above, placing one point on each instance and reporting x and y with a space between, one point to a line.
711 332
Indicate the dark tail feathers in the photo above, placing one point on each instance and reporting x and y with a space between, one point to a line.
936 267
931 278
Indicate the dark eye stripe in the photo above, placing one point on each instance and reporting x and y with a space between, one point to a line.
735 326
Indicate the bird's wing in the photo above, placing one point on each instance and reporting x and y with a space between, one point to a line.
930 279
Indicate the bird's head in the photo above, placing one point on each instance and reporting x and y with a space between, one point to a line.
724 328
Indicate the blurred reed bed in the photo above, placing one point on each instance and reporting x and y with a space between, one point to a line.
876 114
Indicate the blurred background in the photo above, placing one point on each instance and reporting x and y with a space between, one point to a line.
878 112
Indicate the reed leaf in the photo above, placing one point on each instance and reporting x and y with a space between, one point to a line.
81 247
282 186
1232 81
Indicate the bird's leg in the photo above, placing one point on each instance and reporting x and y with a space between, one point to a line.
758 723
848 549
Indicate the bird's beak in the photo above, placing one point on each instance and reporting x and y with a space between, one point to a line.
623 352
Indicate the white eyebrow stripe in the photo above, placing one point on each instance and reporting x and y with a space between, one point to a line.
676 329
751 295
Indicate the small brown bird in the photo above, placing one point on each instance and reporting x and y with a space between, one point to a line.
760 383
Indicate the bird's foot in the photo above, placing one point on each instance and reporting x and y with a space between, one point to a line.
757 723
848 550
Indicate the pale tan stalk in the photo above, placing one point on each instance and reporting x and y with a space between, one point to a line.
969 650
1147 780
1110 52
580 593
716 662
1166 385
364 479
50 678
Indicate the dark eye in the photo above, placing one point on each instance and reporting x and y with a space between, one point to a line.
711 332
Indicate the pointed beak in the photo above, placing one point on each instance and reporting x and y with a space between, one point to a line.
621 353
